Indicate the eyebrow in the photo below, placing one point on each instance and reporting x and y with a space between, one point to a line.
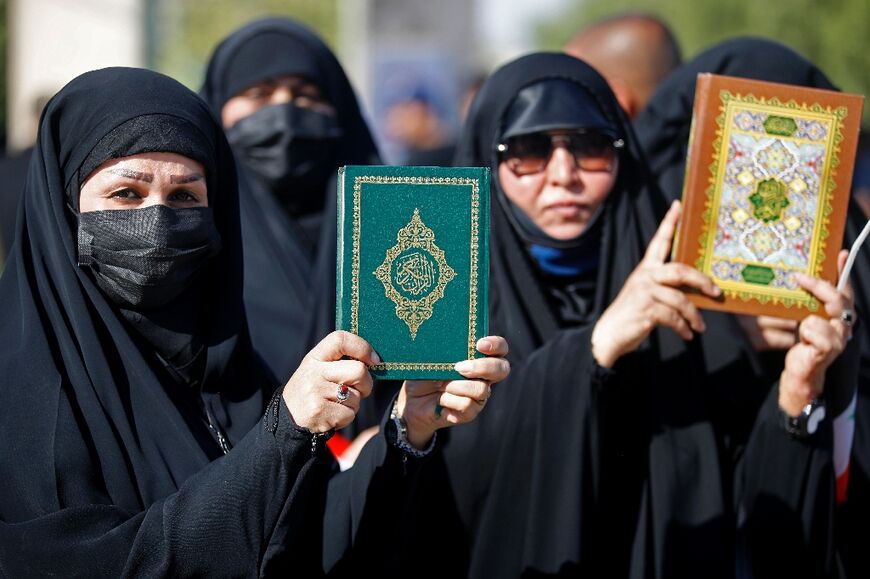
139 176
181 179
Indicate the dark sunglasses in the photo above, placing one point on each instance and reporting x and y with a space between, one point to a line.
527 154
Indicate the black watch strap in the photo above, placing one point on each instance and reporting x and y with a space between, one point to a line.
806 423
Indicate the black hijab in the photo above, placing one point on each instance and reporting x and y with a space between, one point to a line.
289 261
86 404
573 469
663 129
506 469
519 307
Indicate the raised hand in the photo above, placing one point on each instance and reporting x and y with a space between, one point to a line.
651 297
314 394
427 406
820 341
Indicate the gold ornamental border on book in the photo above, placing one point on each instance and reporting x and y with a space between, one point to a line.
770 106
358 182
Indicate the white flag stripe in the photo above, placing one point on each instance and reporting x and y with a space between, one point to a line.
844 432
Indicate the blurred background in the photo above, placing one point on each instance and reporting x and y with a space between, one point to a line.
411 61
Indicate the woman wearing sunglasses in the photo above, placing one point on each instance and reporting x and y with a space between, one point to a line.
613 450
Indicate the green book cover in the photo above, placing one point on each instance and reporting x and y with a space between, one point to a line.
413 265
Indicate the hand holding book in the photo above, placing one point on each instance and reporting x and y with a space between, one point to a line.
820 342
428 405
768 179
325 392
652 297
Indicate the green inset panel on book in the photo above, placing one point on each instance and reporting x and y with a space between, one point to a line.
413 265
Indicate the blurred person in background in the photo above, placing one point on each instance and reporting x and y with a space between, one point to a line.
13 170
292 118
633 51
414 121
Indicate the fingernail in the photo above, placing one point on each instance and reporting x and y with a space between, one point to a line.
375 358
484 346
717 291
463 366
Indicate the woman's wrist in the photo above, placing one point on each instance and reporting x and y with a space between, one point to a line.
399 435
793 395
603 351
420 430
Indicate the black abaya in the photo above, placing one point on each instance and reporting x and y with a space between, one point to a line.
663 129
623 472
108 466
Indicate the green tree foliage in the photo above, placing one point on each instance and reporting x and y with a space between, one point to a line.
4 40
183 33
830 34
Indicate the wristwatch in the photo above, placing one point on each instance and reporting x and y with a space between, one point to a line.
806 423
397 434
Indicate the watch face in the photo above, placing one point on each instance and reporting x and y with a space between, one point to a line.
817 414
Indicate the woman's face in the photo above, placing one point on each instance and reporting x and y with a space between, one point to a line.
562 196
275 91
143 180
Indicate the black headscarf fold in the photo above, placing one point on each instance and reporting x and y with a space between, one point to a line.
85 405
289 261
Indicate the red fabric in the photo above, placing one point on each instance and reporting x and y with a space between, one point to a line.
842 486
338 444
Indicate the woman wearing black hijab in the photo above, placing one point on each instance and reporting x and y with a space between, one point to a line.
663 129
621 462
139 436
292 119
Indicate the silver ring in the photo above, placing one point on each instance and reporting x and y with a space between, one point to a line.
342 394
848 317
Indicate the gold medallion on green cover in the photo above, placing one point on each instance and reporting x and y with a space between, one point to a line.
413 265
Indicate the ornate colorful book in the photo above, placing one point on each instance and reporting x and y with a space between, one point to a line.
413 265
768 179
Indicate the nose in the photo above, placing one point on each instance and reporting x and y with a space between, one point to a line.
561 168
281 94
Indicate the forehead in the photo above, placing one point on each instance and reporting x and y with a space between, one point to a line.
156 163
288 80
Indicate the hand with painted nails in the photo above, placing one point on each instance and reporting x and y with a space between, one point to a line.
820 341
652 296
427 406
325 391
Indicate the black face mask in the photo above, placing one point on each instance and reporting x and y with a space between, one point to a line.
145 258
288 148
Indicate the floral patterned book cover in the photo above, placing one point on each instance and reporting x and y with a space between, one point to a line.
768 179
413 265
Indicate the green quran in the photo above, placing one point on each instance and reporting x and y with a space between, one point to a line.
413 265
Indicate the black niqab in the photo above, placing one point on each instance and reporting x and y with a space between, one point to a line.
89 416
109 465
289 260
